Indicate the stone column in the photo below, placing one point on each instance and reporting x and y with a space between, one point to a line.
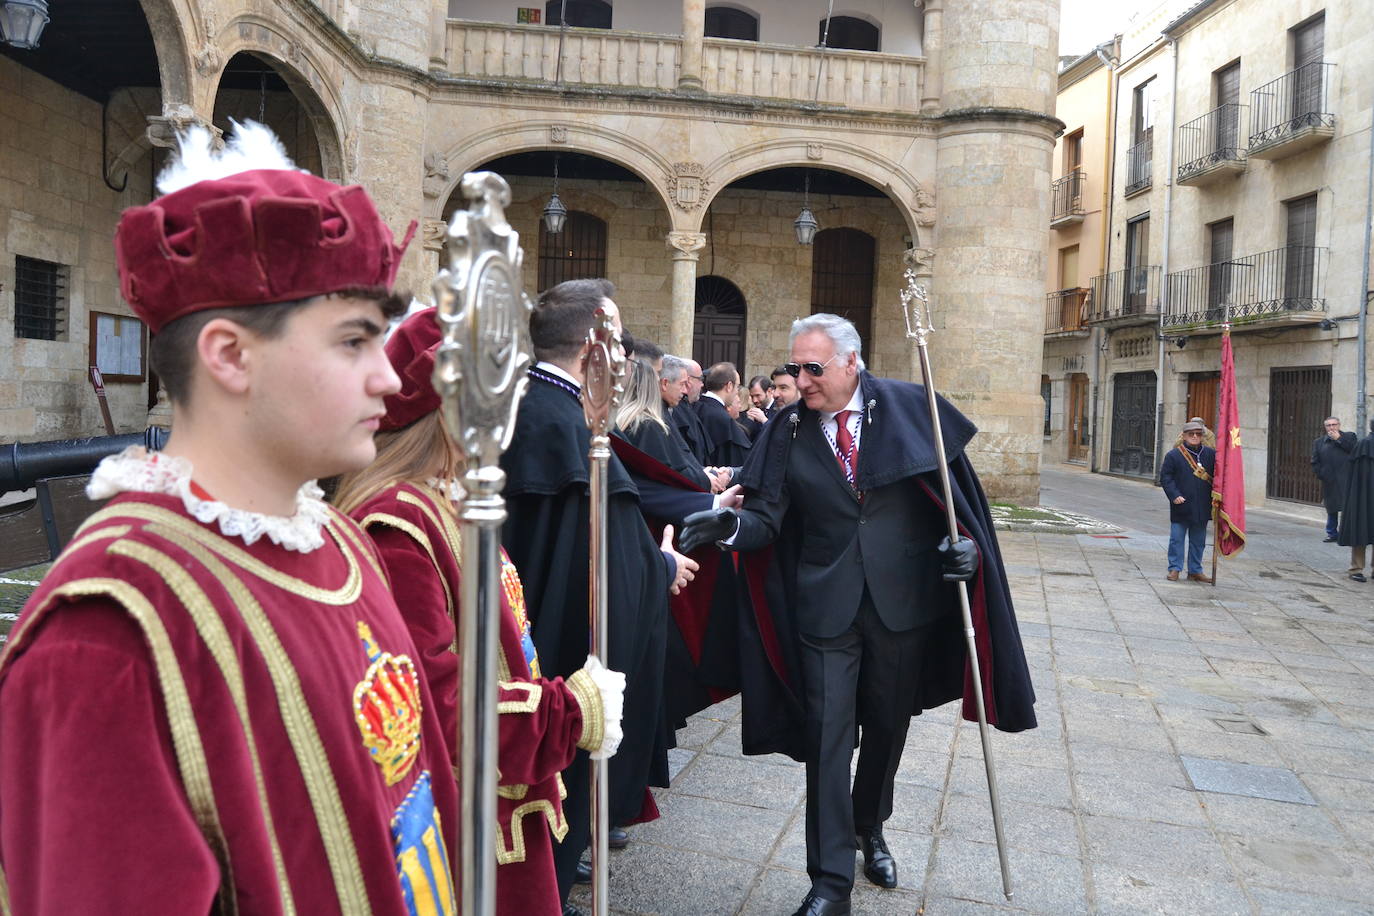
685 247
994 147
693 33
932 39
438 35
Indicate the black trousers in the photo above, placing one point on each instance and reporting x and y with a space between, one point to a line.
864 677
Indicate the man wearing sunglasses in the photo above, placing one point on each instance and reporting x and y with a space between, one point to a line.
845 488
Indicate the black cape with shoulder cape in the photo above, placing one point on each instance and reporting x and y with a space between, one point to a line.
897 443
1357 517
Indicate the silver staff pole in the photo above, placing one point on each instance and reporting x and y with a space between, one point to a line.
479 372
918 328
603 382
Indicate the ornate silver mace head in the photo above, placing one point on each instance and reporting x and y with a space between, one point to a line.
483 315
603 374
915 308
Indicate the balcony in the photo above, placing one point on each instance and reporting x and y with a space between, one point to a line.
642 62
1211 148
1065 311
1126 297
1139 158
1066 196
1278 287
1292 113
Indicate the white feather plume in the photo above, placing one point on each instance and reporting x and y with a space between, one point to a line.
250 147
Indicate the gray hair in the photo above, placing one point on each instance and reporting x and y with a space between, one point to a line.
673 367
841 332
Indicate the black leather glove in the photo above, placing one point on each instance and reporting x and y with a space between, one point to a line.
706 527
959 560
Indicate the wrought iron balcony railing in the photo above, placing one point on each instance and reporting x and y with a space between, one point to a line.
1210 141
1066 311
1067 197
1139 158
1283 283
1296 103
1127 296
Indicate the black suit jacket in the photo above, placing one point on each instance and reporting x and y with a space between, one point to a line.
886 541
729 442
688 423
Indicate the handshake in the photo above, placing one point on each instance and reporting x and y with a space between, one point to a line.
958 560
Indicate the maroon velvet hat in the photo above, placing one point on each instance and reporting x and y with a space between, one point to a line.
411 348
254 238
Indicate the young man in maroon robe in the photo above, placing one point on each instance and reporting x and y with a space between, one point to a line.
212 703
404 501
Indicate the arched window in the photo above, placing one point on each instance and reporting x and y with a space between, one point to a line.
584 14
576 253
849 32
728 22
842 262
721 316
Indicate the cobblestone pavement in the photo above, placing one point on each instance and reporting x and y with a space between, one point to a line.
1201 750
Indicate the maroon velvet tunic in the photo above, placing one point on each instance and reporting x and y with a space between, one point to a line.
541 721
189 723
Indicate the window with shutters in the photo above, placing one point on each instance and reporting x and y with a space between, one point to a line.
576 253
1226 84
1137 264
1300 247
1309 45
728 22
40 299
1140 154
1221 248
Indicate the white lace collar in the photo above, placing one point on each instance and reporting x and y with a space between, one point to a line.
136 470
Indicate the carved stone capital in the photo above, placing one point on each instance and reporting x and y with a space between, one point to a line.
432 234
685 245
163 129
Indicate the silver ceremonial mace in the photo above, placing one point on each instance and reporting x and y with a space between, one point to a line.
918 328
479 372
603 377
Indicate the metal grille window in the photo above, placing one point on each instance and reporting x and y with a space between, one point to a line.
842 277
1299 400
40 299
576 253
1045 393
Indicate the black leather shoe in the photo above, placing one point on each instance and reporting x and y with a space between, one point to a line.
879 866
1329 539
617 838
584 873
819 906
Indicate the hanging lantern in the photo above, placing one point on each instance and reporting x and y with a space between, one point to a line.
806 226
554 214
22 22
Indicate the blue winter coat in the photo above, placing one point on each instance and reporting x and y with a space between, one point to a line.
1177 478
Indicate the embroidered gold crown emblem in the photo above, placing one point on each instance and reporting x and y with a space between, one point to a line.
386 705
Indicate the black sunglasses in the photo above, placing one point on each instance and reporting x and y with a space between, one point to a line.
816 369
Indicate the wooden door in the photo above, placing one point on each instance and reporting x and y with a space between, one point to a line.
1133 424
1203 388
1076 419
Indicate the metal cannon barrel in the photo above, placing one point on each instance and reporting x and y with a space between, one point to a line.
24 463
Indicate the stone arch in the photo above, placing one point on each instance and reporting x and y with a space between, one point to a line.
303 72
901 187
167 20
531 136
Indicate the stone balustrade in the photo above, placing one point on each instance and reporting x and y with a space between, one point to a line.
640 61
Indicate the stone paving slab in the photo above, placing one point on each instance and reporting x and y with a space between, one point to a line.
1247 779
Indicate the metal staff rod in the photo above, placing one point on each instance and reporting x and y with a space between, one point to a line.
918 328
603 382
479 372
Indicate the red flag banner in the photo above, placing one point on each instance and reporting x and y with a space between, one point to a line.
1228 483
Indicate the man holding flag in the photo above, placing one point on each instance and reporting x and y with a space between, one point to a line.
1228 483
1186 477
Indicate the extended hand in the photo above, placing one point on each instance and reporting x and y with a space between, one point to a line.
1180 500
757 415
731 498
707 527
686 566
959 560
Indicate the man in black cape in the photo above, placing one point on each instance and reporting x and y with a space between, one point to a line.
1357 515
842 488
688 419
546 535
729 442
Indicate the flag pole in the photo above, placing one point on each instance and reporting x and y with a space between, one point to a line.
918 327
479 373
603 382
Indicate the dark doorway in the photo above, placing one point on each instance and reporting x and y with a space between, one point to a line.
728 22
849 32
1076 417
1299 400
1133 424
842 278
721 320
252 88
584 14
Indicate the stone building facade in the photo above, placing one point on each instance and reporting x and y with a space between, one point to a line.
1241 160
687 138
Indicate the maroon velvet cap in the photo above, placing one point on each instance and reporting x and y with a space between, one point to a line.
255 238
411 349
